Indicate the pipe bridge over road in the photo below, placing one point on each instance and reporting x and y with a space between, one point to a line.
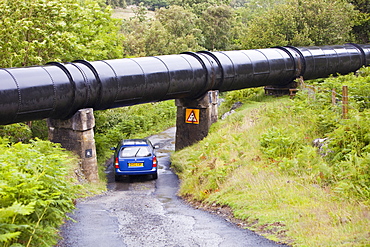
58 91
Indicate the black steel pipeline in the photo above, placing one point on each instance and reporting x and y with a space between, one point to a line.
58 90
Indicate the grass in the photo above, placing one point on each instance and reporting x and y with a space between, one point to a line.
228 168
307 215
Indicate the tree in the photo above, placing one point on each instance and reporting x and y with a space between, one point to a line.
254 8
155 4
216 25
302 22
36 32
192 3
177 20
361 5
362 28
198 6
117 3
173 31
237 3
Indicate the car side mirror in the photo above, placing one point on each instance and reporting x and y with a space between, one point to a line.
113 148
156 146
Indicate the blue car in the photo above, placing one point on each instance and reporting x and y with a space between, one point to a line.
135 157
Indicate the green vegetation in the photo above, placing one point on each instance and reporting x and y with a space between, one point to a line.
37 32
18 132
117 3
361 29
174 31
301 23
224 25
261 163
38 185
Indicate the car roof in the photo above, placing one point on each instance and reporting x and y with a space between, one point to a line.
128 142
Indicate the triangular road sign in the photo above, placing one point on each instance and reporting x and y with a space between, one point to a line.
192 116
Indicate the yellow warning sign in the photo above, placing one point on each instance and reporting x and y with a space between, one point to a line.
192 116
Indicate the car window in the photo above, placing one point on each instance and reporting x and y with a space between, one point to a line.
138 151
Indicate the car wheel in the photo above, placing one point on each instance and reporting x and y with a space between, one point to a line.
117 178
155 175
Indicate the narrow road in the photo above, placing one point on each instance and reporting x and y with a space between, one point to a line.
138 211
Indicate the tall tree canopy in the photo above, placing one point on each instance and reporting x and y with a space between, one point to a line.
302 22
38 31
173 31
217 23
117 3
362 28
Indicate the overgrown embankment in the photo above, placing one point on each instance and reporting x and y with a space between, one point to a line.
261 163
38 186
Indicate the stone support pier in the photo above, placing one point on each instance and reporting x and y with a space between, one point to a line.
194 118
77 135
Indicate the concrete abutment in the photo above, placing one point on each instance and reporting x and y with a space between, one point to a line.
77 135
194 118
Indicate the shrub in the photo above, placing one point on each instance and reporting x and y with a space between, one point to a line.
36 190
277 143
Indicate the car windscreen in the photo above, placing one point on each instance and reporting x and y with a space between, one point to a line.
135 151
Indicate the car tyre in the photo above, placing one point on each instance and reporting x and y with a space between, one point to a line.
117 178
155 175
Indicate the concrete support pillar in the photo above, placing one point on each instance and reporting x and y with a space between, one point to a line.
194 118
77 135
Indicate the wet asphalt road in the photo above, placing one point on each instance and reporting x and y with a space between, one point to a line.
138 211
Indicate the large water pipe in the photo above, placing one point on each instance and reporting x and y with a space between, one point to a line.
58 90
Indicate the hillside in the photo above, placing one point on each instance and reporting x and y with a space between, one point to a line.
261 164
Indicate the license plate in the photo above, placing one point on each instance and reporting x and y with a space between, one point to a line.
135 164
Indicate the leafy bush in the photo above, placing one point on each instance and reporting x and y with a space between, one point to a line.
16 132
36 190
352 177
343 162
351 137
277 143
306 162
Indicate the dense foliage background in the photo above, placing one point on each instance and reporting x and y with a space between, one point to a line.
224 25
37 32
